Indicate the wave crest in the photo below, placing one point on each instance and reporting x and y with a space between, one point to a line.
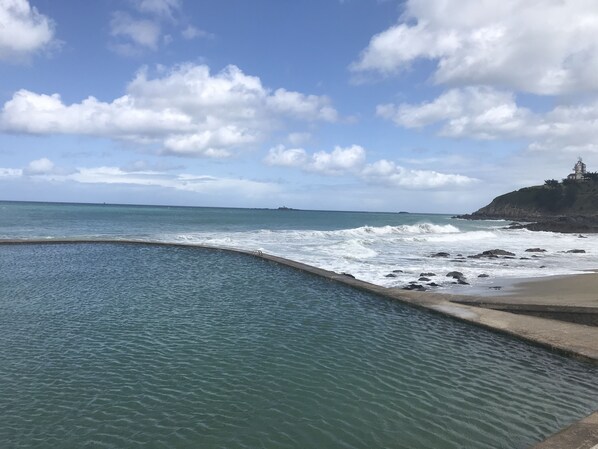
420 228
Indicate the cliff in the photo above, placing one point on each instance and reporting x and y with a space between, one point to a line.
570 206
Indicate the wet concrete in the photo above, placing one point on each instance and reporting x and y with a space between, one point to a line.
580 435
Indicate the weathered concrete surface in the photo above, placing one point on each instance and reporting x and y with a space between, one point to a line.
580 435
565 298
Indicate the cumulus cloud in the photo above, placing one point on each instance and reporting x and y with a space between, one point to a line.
545 47
41 166
478 112
487 114
305 107
389 173
161 8
138 33
23 30
150 25
339 161
352 161
187 111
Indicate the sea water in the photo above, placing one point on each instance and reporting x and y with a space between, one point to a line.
370 246
142 346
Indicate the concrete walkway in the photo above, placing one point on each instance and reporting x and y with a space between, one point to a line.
580 435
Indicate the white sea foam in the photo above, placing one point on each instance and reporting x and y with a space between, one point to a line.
371 253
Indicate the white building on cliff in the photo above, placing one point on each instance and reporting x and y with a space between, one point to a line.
579 171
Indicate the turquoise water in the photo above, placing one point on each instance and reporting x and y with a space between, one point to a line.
114 346
22 219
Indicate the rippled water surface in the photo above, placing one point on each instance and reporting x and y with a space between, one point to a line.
124 346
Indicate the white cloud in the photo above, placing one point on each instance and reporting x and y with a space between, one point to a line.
340 160
337 162
44 169
486 114
477 112
187 111
305 107
283 157
23 30
40 167
352 161
10 172
191 32
297 138
184 182
388 173
544 47
161 8
138 33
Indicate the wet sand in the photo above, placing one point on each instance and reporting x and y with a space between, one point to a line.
571 299
577 290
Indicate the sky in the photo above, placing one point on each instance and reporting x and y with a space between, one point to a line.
373 105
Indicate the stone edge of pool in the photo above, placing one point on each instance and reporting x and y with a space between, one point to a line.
575 340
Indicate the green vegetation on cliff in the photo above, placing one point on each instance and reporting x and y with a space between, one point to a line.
553 199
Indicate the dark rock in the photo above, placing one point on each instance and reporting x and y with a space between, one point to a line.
390 275
433 284
417 287
460 281
476 256
497 252
427 274
542 266
508 257
348 275
582 236
524 258
424 279
397 271
576 251
441 254
498 287
458 260
483 275
564 224
535 250
454 274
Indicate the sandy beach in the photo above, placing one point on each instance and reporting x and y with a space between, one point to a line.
572 299
576 290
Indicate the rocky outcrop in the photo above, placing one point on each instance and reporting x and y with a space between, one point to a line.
570 207
571 225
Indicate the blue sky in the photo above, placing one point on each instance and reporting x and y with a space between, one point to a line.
381 105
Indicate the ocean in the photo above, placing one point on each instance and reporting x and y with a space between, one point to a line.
115 345
369 246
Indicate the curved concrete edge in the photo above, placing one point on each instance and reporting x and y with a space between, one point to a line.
570 339
575 340
580 435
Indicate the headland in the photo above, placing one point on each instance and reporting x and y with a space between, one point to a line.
569 206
